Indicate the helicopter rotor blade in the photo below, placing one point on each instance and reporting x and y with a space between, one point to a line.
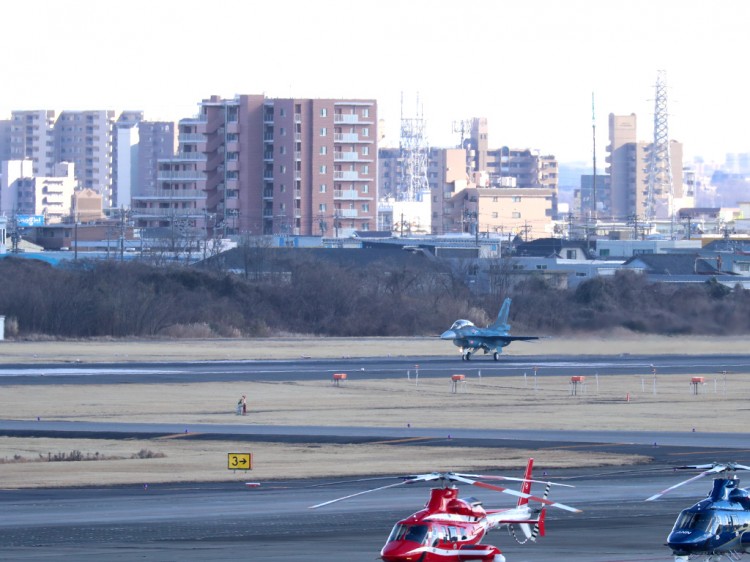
360 493
714 470
527 496
490 477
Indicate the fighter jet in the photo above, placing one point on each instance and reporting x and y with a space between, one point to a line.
492 339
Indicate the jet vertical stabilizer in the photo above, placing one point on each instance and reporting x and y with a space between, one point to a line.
502 317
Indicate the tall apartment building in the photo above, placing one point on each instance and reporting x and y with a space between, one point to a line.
627 169
85 138
5 127
32 136
138 146
272 166
176 196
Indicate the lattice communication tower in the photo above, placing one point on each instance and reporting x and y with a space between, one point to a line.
660 162
414 153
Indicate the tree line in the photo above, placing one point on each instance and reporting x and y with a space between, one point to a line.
86 299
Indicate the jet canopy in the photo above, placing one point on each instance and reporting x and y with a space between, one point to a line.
458 324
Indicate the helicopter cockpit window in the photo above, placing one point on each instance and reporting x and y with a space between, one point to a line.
458 324
413 533
696 521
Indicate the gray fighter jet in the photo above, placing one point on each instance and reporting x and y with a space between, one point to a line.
491 339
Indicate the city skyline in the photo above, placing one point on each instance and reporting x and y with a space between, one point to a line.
529 69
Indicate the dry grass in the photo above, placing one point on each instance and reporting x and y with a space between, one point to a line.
298 348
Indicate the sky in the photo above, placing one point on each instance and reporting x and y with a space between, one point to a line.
529 67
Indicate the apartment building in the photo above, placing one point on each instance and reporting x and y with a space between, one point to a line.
628 172
525 212
22 193
85 138
177 197
32 137
283 166
138 146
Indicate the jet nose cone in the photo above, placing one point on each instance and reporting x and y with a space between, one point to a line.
448 335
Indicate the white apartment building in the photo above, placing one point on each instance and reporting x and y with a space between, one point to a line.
22 193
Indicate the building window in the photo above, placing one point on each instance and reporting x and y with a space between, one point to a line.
282 112
365 150
282 131
324 112
366 112
323 169
323 131
365 170
570 254
282 169
365 207
323 188
516 215
365 132
366 188
323 150
495 199
322 207
494 215
516 199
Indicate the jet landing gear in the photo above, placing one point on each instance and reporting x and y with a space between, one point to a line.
466 355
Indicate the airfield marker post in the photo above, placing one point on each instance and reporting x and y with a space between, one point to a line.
416 375
574 382
695 382
455 381
535 387
338 378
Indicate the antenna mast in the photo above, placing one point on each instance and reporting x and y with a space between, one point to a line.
414 155
593 180
660 162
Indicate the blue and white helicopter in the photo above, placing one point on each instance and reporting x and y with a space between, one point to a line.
717 526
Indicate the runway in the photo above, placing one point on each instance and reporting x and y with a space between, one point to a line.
371 368
273 522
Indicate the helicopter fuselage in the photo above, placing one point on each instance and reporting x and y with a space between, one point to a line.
715 525
448 529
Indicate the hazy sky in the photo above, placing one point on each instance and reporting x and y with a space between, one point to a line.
530 67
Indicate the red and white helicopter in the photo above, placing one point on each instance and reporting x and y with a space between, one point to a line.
450 529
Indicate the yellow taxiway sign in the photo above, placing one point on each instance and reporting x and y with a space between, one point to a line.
240 461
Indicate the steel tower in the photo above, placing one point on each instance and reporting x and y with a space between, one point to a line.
414 154
660 162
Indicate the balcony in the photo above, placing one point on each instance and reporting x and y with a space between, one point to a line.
184 175
171 195
346 118
347 213
191 138
191 156
347 176
352 156
267 137
350 194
